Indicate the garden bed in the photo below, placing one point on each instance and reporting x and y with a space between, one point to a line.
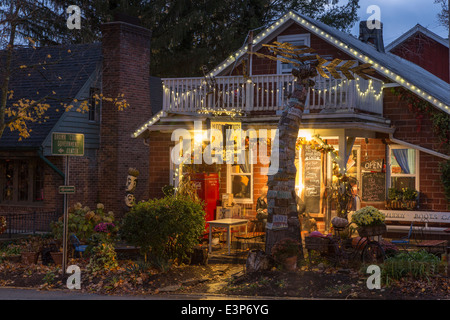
229 279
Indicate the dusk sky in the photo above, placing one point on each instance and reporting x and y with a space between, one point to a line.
398 16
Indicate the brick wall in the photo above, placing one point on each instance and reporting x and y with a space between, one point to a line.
420 133
427 53
159 163
126 61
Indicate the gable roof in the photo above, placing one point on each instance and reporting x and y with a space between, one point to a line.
58 72
405 73
417 29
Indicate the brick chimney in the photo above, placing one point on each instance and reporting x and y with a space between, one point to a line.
125 70
372 36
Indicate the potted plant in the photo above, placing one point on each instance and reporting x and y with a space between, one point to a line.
30 254
409 198
369 221
57 256
406 198
286 253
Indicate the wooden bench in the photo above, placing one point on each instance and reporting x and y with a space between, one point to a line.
429 245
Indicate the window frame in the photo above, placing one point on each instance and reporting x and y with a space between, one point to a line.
290 38
32 176
251 175
94 105
416 175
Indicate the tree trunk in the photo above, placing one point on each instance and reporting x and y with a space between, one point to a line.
281 196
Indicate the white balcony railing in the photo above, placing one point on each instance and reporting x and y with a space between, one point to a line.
269 93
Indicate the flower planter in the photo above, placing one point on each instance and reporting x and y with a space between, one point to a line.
16 258
317 243
371 231
290 264
57 257
30 257
401 205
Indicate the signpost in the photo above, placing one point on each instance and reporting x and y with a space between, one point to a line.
67 144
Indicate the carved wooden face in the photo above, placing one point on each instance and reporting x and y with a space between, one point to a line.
131 183
130 200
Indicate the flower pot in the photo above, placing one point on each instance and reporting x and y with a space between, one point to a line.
290 263
16 258
30 257
57 257
371 231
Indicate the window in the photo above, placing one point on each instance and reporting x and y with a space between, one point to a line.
21 181
94 105
240 180
295 40
404 167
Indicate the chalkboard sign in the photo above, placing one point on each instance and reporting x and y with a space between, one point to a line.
312 165
373 187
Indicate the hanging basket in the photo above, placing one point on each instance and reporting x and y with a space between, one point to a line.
370 231
316 243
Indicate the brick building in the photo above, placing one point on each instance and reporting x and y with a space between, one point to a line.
382 142
424 48
119 65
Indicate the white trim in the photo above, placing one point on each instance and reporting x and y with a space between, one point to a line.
389 173
413 146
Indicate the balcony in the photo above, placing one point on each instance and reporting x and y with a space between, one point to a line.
270 93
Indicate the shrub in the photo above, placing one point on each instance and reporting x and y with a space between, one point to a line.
82 221
167 228
285 248
103 257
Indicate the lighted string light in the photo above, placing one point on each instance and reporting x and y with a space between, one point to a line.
153 120
273 28
359 55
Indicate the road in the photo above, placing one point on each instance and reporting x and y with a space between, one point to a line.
7 293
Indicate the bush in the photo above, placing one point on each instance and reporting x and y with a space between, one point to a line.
166 228
285 248
103 257
82 221
417 264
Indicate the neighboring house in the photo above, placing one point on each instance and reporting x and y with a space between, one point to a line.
424 48
380 141
29 174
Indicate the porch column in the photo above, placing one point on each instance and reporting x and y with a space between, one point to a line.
345 148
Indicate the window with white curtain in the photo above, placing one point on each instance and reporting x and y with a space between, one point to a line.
404 167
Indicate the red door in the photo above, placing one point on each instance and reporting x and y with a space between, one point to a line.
207 185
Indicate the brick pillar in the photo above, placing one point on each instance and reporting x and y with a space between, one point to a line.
125 70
